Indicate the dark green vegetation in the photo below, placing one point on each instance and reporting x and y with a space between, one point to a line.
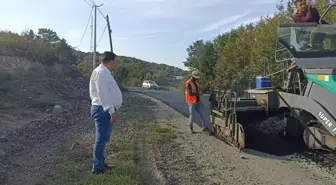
133 71
233 59
48 48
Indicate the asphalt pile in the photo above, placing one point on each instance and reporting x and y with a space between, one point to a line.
272 126
267 136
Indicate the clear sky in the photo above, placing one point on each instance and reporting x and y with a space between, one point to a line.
153 30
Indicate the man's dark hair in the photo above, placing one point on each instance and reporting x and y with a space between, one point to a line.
108 56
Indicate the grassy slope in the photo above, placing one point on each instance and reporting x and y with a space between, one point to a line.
124 151
127 169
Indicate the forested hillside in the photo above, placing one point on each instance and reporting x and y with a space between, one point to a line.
233 59
132 71
46 47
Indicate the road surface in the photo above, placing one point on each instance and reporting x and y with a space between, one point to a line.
176 101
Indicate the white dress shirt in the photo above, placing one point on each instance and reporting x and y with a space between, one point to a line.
104 89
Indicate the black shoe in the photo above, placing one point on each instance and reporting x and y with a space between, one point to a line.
98 172
205 129
192 130
107 167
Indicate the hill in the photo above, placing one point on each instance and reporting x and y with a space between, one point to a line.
46 47
44 99
132 71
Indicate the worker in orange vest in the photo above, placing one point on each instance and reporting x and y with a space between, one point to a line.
192 97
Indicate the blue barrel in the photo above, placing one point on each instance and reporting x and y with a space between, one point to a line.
263 82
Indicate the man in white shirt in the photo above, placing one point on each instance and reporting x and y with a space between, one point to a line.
106 99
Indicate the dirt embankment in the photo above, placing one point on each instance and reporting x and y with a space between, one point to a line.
32 130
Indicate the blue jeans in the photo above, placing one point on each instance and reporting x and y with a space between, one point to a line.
103 133
199 107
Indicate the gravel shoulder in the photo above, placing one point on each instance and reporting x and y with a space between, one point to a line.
201 159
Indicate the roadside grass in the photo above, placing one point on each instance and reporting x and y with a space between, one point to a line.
77 169
157 133
122 152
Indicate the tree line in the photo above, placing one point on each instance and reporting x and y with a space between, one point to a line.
133 71
46 47
233 59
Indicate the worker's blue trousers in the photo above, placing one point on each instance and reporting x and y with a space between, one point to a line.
193 108
103 133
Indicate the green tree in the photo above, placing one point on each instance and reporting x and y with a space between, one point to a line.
202 56
48 34
236 57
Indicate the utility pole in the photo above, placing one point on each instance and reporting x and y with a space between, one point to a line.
91 39
110 39
109 31
95 36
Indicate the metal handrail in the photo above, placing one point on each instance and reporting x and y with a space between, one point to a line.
327 10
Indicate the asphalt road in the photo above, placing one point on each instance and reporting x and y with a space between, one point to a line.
176 101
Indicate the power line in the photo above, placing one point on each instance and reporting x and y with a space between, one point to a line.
101 35
88 3
87 24
101 13
95 7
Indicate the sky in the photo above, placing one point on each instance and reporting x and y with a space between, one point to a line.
152 30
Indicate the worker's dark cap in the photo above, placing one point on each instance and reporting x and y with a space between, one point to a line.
108 55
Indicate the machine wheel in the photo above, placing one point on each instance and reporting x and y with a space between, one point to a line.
293 127
314 123
322 136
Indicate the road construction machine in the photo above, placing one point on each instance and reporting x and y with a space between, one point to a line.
306 103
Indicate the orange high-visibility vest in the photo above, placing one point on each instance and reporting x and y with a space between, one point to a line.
189 98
